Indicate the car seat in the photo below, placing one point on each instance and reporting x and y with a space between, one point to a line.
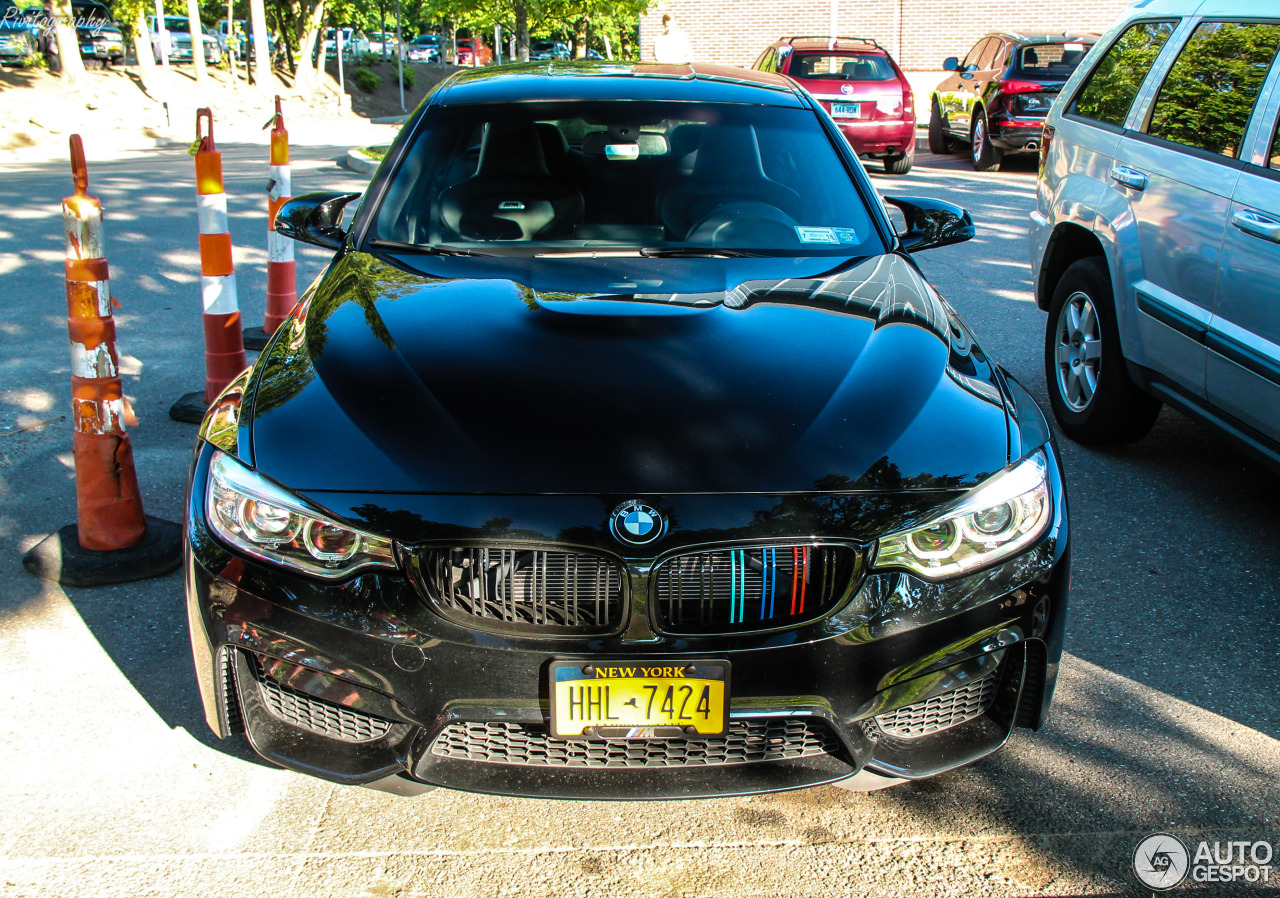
512 195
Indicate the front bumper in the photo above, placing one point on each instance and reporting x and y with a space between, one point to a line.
359 681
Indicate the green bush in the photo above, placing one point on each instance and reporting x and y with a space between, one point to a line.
368 81
410 77
368 59
376 152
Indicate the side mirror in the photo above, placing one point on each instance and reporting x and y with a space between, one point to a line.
931 223
315 218
951 63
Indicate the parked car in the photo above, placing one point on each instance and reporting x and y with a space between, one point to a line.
97 34
383 39
424 48
540 50
996 99
19 42
859 84
651 484
178 32
354 43
473 52
1154 242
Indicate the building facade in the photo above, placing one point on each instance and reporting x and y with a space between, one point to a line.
919 33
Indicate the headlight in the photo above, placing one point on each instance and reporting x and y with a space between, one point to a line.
997 520
263 520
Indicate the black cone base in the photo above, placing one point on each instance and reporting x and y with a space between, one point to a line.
61 558
190 408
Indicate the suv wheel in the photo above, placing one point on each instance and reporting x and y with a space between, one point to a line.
1092 396
939 143
986 156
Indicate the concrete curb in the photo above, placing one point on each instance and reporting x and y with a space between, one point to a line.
357 161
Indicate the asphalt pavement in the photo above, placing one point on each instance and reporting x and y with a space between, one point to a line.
1166 716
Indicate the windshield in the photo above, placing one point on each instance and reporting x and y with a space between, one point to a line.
649 177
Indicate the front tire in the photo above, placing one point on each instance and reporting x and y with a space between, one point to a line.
1092 396
986 156
939 143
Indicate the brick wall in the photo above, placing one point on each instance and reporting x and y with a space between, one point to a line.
919 33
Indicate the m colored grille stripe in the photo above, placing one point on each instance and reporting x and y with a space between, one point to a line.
710 591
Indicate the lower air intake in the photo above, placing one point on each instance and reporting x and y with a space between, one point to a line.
310 713
747 742
942 711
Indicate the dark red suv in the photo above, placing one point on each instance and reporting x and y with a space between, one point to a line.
860 85
997 98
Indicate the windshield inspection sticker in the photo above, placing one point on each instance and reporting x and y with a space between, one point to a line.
846 235
816 235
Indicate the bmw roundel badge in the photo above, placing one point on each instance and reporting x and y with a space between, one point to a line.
637 524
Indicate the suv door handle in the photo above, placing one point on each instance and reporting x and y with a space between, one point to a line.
1257 224
1129 177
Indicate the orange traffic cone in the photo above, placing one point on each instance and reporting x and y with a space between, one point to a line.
111 540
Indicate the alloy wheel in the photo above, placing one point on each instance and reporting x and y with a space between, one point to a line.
1078 351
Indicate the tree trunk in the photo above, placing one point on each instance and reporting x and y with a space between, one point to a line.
608 47
522 32
307 75
261 47
69 61
626 43
580 38
197 39
142 49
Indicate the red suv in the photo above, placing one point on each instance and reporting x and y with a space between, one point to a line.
860 85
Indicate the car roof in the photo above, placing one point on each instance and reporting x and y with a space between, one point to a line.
836 45
582 79
1041 38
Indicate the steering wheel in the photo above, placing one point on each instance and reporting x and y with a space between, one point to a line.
744 224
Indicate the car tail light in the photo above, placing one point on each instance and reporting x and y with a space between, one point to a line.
1046 138
1020 87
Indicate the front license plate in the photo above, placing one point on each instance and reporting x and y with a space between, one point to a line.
625 699
845 110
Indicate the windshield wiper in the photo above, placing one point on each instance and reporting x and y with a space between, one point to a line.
423 249
695 252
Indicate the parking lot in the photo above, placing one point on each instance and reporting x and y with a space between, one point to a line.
1165 718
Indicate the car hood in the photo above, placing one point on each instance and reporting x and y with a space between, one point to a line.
389 380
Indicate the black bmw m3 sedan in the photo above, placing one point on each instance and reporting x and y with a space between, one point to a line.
623 451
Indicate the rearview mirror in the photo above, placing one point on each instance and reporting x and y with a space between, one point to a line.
931 223
315 218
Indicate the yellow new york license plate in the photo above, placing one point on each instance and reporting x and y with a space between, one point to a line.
624 699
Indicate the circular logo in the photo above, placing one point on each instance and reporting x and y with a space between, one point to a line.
1160 861
846 88
637 524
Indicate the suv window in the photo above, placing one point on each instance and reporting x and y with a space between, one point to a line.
989 55
971 61
1112 87
1209 94
857 67
1048 61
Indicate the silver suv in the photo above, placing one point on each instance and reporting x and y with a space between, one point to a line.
1155 243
